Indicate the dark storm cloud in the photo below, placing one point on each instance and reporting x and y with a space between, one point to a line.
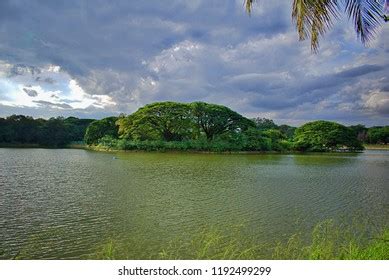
138 52
360 71
21 69
53 105
30 92
47 80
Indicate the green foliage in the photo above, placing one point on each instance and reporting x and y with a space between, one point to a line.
100 128
255 141
320 136
214 120
327 241
360 131
264 124
171 121
196 126
378 135
287 130
76 128
55 132
168 121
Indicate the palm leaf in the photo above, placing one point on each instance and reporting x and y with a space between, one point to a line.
249 5
366 16
315 17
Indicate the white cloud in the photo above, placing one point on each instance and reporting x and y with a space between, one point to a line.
376 101
78 99
24 90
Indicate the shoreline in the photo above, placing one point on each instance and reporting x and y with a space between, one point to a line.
106 149
373 147
377 147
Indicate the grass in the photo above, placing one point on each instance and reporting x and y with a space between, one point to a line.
376 147
328 241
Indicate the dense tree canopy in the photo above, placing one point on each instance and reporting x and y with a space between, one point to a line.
212 119
189 126
378 135
325 136
360 131
171 121
19 129
263 123
100 128
168 121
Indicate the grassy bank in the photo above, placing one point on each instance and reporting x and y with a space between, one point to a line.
376 147
327 241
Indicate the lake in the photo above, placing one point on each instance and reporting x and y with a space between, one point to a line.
65 203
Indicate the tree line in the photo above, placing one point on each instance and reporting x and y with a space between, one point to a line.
210 127
189 126
54 132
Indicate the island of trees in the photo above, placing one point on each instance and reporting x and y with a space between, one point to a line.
196 126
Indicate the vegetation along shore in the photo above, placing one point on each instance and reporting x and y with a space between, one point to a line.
197 126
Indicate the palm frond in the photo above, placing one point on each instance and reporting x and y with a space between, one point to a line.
249 5
313 18
366 16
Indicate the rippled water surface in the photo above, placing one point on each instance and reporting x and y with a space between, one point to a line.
66 202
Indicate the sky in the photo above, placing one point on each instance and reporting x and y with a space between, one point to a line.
93 59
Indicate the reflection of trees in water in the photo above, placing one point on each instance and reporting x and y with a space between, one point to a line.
325 159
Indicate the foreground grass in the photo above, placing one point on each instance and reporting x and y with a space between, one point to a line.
328 241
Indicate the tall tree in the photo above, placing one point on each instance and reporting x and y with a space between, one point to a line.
100 128
325 136
168 121
215 119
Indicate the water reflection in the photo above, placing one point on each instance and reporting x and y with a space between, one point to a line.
67 201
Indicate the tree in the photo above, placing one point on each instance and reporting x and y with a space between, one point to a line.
100 128
77 127
287 130
256 141
214 119
171 121
19 129
168 121
360 131
54 133
325 136
314 17
263 123
378 135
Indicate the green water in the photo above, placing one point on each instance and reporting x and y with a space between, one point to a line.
64 203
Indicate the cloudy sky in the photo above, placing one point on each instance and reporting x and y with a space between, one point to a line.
101 58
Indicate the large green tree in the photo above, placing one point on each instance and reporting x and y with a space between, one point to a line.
313 18
263 123
100 128
168 121
325 136
214 119
77 127
171 121
378 135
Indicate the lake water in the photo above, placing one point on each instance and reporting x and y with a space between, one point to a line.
64 203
